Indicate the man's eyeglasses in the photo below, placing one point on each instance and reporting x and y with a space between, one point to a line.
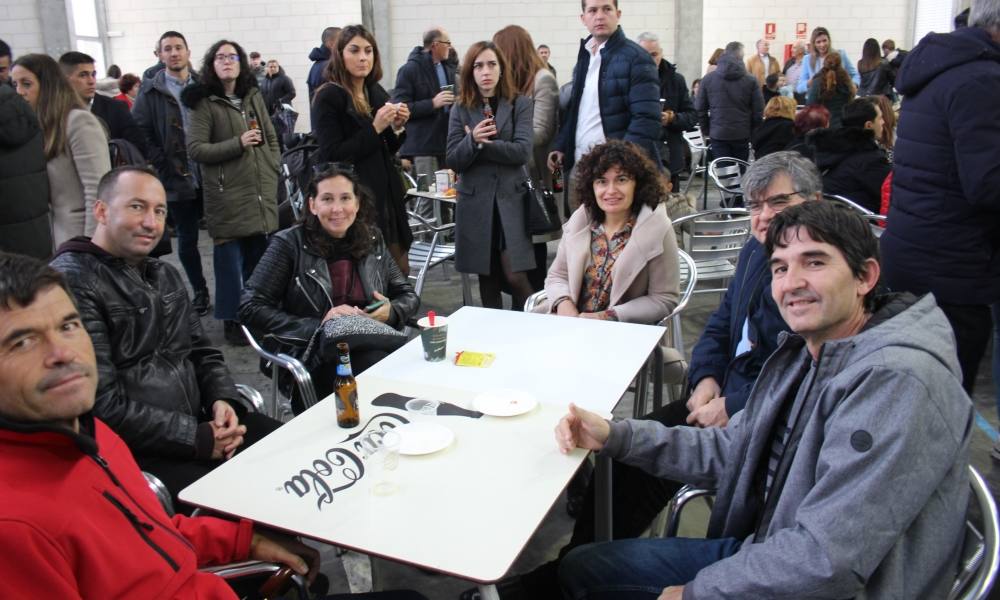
777 202
445 42
227 58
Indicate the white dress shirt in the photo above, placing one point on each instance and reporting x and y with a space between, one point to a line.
589 130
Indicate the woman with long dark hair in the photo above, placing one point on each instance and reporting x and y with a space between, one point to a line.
76 148
489 143
333 265
355 123
233 139
532 79
832 87
872 69
820 46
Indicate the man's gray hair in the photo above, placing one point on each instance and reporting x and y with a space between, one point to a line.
648 36
803 172
985 14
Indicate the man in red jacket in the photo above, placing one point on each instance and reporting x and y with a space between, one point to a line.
76 516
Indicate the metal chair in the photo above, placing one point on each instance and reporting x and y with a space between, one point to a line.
426 254
303 380
727 173
980 550
674 336
980 554
875 220
231 571
714 238
534 301
699 147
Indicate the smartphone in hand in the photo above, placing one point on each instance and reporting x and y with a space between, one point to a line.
374 306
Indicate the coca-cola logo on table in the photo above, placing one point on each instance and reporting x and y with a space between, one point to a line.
340 466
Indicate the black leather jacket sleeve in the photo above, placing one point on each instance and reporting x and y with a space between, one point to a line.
391 283
142 426
262 303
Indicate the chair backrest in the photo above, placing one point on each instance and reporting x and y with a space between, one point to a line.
688 279
874 219
727 173
715 235
300 374
980 550
694 138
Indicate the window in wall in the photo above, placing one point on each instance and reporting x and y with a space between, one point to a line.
932 15
87 26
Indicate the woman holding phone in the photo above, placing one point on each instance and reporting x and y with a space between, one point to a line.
490 137
333 264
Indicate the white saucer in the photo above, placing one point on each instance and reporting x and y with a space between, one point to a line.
504 402
423 437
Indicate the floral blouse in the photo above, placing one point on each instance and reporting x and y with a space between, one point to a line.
595 295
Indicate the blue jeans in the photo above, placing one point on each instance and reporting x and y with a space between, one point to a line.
638 569
234 262
185 214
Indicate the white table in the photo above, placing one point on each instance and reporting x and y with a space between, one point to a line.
469 509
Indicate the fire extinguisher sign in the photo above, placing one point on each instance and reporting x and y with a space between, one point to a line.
800 31
770 31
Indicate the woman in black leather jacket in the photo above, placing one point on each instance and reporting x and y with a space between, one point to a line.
333 264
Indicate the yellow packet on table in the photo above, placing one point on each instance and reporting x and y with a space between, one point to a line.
474 359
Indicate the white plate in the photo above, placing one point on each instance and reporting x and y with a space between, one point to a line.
423 438
504 403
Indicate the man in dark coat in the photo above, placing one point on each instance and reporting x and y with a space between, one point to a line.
277 87
851 161
730 105
81 71
319 56
162 386
677 112
943 233
164 122
420 83
616 93
24 182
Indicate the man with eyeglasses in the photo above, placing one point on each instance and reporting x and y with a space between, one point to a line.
164 121
725 362
426 83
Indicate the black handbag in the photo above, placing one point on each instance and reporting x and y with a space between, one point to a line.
540 209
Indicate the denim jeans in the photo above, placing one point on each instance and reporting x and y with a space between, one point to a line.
639 568
185 214
732 148
234 262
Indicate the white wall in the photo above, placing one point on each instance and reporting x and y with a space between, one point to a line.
285 31
21 27
552 22
850 23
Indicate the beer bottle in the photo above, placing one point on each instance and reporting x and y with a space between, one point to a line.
346 390
557 184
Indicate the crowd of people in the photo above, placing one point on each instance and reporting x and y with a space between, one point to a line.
823 333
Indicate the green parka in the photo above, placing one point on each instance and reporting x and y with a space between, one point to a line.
240 185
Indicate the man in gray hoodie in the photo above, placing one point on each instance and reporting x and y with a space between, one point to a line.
730 105
845 475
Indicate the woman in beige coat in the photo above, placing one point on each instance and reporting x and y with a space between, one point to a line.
76 146
617 259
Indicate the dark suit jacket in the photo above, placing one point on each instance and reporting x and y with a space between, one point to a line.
117 118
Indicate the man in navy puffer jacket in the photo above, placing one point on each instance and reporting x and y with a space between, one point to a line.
616 92
943 231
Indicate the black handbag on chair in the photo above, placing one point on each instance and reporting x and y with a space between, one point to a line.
540 210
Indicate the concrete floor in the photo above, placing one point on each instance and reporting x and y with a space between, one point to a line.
442 293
